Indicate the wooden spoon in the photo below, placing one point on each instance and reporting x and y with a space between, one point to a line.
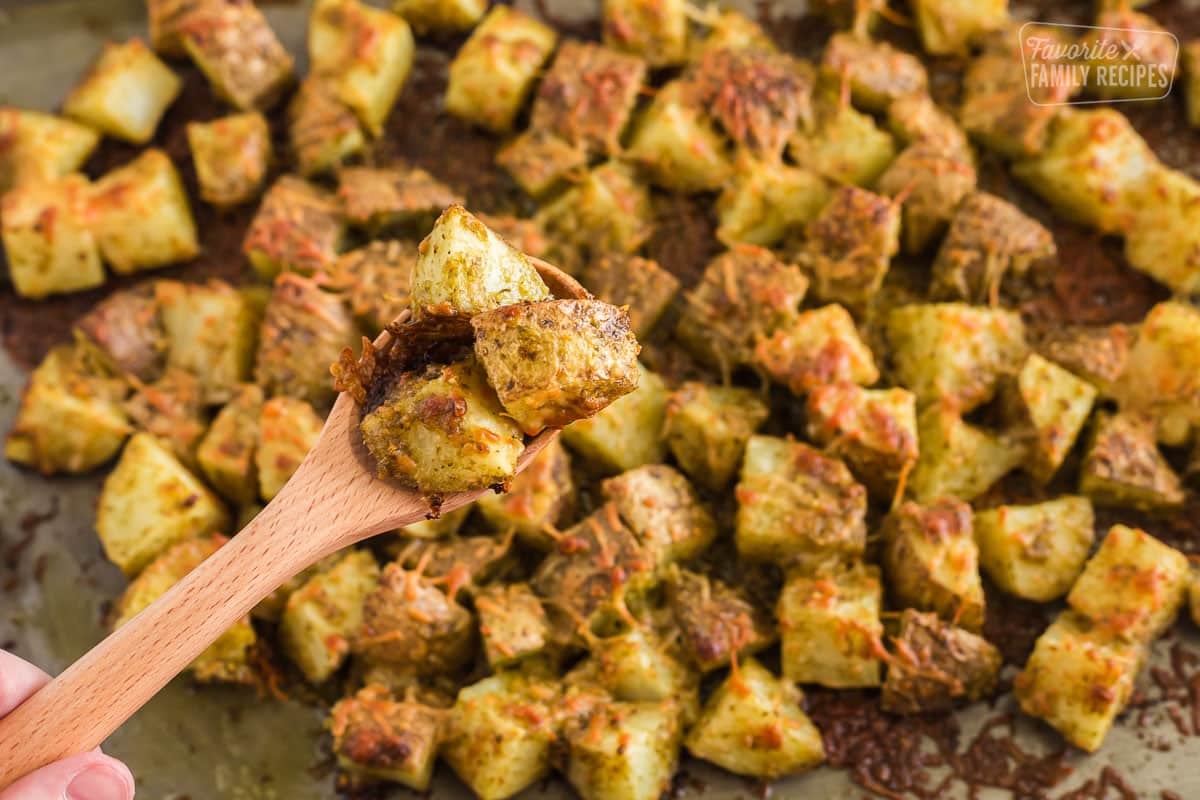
334 500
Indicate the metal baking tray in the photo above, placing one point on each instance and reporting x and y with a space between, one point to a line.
210 743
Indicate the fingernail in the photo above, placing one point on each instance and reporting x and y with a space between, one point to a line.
99 782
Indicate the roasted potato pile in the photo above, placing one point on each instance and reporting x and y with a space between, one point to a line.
856 418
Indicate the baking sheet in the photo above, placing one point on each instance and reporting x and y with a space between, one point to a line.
227 743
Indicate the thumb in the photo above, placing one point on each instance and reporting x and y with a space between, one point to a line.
88 776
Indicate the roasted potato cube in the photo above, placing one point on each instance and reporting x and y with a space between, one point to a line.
48 241
765 202
142 217
917 118
1131 56
174 411
441 16
463 265
499 734
376 198
322 616
556 361
745 295
1163 241
953 353
637 284
1133 586
150 502
663 511
166 17
932 562
996 108
949 27
830 629
873 430
41 147
656 30
1036 552
462 561
442 430
1124 468
376 280
1162 376
1191 74
677 146
959 459
843 145
287 430
226 453
496 68
303 331
815 348
626 434
211 332
729 29
379 737
225 660
717 622
70 418
323 131
512 623
125 92
795 502
125 331
756 96
1079 679
231 156
707 428
407 621
1096 353
298 228
540 160
607 211
587 96
638 666
538 498
236 49
937 665
753 725
878 73
625 750
932 181
525 234
596 568
1093 169
365 53
987 239
1054 405
849 247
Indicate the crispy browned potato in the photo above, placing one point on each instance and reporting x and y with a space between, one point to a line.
935 665
588 94
303 331
717 622
556 361
407 621
442 430
376 735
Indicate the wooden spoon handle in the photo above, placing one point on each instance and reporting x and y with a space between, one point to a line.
80 708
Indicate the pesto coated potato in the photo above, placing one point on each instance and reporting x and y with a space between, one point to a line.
556 361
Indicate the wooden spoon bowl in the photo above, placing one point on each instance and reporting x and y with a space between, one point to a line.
332 501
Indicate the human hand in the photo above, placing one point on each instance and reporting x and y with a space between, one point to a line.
87 776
